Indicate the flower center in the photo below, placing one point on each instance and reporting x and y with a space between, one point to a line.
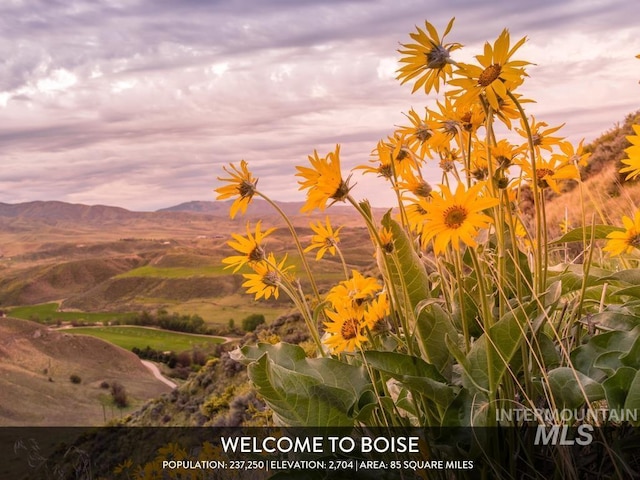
503 161
536 139
543 172
467 124
450 127
423 189
341 192
246 189
455 216
349 328
437 57
385 171
330 242
491 73
257 254
423 133
402 154
271 279
635 240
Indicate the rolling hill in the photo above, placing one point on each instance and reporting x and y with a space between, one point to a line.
35 368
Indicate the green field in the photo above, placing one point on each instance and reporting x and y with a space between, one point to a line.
141 337
48 313
175 272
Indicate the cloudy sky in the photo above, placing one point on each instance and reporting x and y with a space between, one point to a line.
139 103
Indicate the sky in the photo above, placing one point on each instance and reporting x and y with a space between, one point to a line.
139 104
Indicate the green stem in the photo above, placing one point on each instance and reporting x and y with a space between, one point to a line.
540 227
296 240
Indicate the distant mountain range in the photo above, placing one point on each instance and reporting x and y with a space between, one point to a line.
56 210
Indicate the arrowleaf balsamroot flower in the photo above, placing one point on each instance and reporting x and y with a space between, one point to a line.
250 246
624 242
496 75
455 217
345 328
633 155
324 181
428 59
242 184
550 172
325 239
267 276
357 291
541 137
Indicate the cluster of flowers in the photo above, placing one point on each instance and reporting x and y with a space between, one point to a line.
482 180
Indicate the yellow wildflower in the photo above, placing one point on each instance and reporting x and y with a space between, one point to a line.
496 75
325 239
633 155
455 217
624 242
267 277
428 59
345 328
242 184
323 180
250 247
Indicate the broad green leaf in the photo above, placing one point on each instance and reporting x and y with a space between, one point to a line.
632 403
631 276
433 325
572 276
583 357
629 291
303 391
300 400
579 234
609 362
490 355
611 320
632 357
413 373
569 388
432 322
616 387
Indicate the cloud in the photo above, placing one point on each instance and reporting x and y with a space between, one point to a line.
138 104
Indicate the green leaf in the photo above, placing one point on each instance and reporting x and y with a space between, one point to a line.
579 234
632 402
632 357
616 387
572 276
569 388
413 373
432 322
609 362
631 276
629 291
303 391
504 339
584 357
611 320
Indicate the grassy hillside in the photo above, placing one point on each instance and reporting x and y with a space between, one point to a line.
36 367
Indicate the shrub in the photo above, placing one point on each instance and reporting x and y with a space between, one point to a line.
119 395
251 322
75 379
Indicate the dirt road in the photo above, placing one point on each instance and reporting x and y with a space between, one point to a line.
156 373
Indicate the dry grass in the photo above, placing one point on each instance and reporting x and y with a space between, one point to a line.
36 367
604 200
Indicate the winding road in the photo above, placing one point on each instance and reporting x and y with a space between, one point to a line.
156 373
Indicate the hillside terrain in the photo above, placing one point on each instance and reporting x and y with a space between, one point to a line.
112 260
36 365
